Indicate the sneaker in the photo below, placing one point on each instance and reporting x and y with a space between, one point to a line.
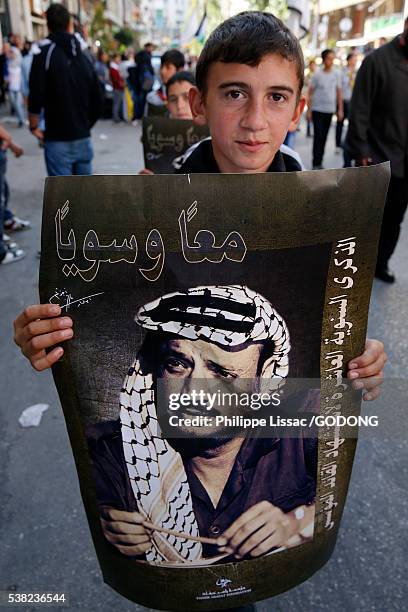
12 255
15 224
9 242
319 167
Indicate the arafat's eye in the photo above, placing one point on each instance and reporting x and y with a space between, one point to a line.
174 365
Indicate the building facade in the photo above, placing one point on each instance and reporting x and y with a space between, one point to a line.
357 23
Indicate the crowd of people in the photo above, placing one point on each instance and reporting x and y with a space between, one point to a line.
60 89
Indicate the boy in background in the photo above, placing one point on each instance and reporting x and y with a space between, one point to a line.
172 61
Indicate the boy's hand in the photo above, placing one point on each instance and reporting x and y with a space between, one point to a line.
367 369
146 171
16 149
40 327
125 531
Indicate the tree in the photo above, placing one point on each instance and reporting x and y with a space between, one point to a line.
125 37
100 28
277 7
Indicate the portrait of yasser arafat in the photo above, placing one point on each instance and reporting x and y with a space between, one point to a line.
203 497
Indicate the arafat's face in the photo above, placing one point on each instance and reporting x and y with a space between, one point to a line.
249 110
177 100
195 365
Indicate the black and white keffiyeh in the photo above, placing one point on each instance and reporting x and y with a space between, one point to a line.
229 316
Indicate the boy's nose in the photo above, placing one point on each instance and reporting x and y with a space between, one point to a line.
254 118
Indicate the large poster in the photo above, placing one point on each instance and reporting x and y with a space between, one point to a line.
205 307
165 140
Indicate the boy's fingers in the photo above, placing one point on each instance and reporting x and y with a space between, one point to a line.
45 326
46 341
37 311
374 349
371 370
369 383
46 360
372 395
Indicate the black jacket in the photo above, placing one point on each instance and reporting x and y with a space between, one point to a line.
64 83
200 159
378 122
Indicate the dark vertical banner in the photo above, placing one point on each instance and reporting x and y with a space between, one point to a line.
165 140
186 292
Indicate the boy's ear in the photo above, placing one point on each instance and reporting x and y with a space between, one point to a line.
297 114
196 100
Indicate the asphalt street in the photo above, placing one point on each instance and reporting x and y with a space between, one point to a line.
45 542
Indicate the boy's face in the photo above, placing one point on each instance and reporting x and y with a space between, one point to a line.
166 72
177 100
249 110
329 60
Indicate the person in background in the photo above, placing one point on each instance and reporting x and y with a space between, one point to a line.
324 96
9 251
378 132
178 89
171 61
348 77
14 62
308 77
64 84
178 105
26 47
118 85
3 71
102 68
142 79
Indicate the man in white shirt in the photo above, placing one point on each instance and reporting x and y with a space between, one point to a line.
325 97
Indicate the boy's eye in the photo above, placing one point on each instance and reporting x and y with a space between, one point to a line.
277 97
234 94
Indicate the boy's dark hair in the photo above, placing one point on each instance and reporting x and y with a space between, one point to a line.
350 55
325 53
58 18
182 75
175 57
245 39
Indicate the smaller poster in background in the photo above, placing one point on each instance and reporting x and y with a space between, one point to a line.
166 139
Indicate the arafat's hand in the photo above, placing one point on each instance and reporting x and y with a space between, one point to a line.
125 531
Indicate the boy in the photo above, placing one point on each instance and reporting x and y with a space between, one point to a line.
249 83
178 105
178 89
171 62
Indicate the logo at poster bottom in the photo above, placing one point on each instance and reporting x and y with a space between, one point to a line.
223 590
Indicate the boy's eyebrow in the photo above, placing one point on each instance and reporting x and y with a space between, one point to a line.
243 85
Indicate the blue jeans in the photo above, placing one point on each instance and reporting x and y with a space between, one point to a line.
17 103
3 167
66 158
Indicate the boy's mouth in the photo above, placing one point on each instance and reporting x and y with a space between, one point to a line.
251 145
